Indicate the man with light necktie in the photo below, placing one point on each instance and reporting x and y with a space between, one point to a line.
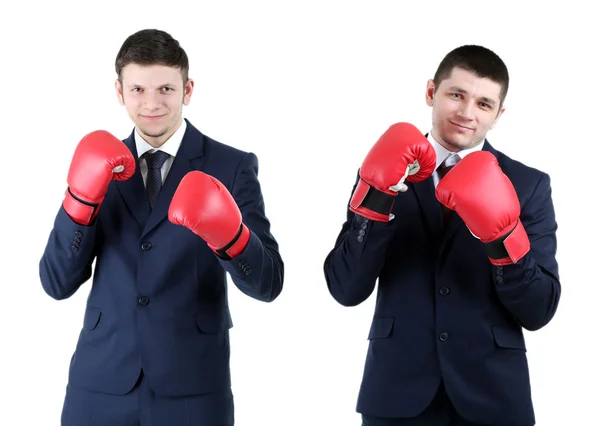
166 214
461 242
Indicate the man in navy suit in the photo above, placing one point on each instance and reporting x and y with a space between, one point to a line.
165 214
462 242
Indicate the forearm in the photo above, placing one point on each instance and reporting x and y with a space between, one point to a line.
528 291
352 267
67 259
258 271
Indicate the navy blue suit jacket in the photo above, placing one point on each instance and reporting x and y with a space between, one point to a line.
158 300
443 311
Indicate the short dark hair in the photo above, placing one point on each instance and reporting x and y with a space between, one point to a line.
480 61
152 47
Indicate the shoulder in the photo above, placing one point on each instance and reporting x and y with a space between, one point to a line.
527 180
223 160
227 155
222 149
236 159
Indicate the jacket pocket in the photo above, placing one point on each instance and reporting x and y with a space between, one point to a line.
508 338
381 328
91 318
212 322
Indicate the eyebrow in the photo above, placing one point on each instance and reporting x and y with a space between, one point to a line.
483 98
161 85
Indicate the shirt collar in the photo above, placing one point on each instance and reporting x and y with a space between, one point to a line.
171 145
442 153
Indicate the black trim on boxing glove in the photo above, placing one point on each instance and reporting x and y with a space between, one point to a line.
378 202
496 249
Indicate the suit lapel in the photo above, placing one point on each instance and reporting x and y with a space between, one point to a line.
430 206
454 223
133 191
191 147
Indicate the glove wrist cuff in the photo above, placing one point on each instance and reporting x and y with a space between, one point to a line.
236 246
510 248
371 202
80 211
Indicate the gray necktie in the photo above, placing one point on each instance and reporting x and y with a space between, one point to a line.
450 161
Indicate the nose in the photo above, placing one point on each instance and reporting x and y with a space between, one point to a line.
151 100
466 111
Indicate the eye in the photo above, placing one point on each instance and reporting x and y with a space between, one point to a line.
167 89
484 105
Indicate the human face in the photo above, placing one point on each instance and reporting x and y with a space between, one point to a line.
154 96
465 108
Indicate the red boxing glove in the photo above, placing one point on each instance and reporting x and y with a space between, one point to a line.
203 205
485 199
99 158
401 153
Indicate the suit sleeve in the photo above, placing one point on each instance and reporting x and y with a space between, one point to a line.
257 271
530 289
352 267
68 256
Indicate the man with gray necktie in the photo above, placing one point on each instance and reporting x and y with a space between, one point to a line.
460 240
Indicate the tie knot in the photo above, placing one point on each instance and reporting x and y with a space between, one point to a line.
156 159
450 161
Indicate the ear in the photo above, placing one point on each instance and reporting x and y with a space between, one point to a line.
429 92
187 90
497 117
119 90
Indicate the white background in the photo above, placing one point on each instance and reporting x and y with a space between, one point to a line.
308 87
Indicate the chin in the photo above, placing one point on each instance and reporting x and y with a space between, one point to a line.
455 143
153 133
459 141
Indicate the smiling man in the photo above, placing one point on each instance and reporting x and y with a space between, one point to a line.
461 240
165 214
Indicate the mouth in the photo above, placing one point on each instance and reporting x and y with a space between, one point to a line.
463 128
152 117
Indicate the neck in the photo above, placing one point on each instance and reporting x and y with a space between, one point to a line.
442 142
158 141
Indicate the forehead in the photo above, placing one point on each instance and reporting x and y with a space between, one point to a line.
150 75
472 84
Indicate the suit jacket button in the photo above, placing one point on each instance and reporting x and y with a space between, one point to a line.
444 291
78 234
360 238
444 336
146 246
143 300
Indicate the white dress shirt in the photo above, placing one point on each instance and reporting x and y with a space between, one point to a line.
171 146
442 153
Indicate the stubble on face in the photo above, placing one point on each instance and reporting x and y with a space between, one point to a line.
154 97
158 136
465 107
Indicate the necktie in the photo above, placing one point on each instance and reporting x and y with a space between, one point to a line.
450 161
154 180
